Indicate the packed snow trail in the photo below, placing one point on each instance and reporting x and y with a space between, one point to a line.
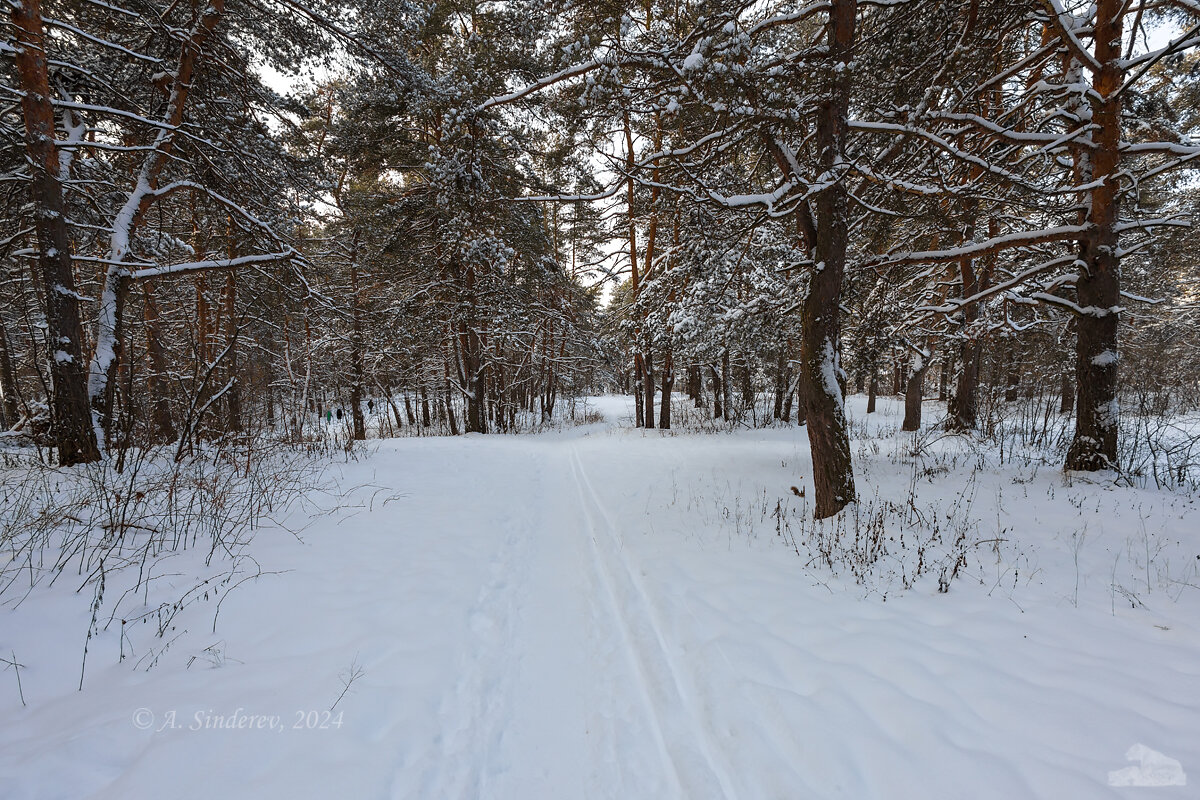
605 613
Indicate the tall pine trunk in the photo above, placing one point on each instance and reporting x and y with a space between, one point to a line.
1098 289
74 432
833 476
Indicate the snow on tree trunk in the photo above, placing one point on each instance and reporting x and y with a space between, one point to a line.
106 356
833 476
1098 289
73 431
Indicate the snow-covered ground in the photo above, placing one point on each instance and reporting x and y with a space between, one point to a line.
608 613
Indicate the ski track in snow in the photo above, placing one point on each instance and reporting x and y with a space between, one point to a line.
688 755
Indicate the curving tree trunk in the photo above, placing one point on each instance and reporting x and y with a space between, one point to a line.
106 357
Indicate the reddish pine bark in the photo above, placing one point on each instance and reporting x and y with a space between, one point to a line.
74 433
1094 445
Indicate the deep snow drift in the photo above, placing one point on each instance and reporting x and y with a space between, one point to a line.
608 613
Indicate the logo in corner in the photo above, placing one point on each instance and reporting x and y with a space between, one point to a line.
1152 769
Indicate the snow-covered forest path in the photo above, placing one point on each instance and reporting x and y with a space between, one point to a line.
602 614
568 685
